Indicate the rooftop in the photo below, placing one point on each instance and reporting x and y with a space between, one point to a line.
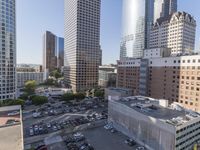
159 109
11 128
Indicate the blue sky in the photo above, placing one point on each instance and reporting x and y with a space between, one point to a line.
34 17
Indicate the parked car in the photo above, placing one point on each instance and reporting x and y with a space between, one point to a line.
14 113
140 148
108 127
130 142
31 132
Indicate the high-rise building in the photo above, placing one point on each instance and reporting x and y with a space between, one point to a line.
60 52
49 52
53 52
7 49
82 43
177 32
163 8
137 17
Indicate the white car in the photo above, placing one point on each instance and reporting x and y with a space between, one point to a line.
140 148
14 113
48 125
108 127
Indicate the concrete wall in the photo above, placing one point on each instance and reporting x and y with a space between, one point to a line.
150 132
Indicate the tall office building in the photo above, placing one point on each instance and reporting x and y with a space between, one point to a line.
53 52
163 8
137 17
7 49
176 32
60 52
82 43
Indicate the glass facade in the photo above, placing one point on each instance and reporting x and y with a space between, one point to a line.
60 51
136 15
164 8
7 49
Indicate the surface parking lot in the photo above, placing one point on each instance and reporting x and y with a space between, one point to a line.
53 117
103 139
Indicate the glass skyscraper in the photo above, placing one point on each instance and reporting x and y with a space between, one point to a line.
53 52
137 16
7 49
163 8
60 52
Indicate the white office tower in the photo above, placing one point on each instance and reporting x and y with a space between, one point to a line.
7 49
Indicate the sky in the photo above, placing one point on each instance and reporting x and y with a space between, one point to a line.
34 17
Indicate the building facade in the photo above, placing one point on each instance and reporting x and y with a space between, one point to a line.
155 124
176 32
107 76
22 77
26 72
29 68
159 75
53 52
60 52
82 44
7 49
163 8
137 17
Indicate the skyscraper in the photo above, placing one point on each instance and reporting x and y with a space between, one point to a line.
7 49
82 43
137 16
163 8
53 52
49 52
60 52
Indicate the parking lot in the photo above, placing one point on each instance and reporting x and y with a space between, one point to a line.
103 139
57 116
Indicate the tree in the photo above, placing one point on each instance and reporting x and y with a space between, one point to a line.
49 82
39 100
68 97
11 102
99 93
24 96
56 74
30 86
79 96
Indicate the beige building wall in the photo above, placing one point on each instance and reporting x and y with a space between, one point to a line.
176 32
176 79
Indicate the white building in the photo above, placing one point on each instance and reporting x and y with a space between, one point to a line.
176 32
22 77
154 124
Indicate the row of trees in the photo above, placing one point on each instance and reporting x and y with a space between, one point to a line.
38 100
71 96
11 102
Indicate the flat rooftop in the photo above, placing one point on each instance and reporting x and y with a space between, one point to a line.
153 108
11 128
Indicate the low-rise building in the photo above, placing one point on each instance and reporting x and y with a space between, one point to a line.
154 124
27 72
22 77
11 128
117 93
